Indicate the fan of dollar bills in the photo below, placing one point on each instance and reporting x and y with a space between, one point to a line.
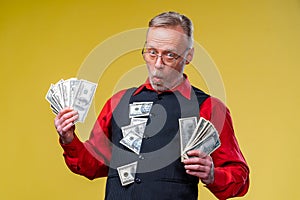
201 136
74 93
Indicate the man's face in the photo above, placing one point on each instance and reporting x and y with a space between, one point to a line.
163 41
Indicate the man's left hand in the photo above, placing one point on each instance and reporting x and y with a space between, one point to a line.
200 165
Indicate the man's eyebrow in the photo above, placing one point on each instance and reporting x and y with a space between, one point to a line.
164 50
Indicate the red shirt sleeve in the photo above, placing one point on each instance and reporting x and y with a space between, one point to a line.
92 157
231 170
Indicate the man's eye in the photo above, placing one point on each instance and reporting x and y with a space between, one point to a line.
151 52
170 55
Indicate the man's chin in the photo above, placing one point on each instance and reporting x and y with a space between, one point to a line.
159 87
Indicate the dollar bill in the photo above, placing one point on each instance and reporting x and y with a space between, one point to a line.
74 85
60 88
186 128
208 144
54 110
202 123
200 132
197 140
138 109
136 120
137 128
49 98
132 141
56 95
127 173
65 88
83 98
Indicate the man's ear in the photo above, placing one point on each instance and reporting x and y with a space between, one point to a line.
189 56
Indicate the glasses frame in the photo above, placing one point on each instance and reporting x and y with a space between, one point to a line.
161 56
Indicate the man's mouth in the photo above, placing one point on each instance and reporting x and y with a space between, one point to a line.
156 79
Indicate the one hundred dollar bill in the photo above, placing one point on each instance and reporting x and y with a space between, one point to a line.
54 110
137 128
132 141
136 120
199 128
49 98
139 109
83 98
200 132
74 86
64 88
127 173
208 144
186 129
57 96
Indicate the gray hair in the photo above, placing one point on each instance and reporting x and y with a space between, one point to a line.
169 19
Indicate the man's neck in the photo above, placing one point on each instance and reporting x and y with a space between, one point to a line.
177 82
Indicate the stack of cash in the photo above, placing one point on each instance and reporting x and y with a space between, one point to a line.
133 136
74 93
201 136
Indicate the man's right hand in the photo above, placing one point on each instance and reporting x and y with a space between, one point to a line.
64 124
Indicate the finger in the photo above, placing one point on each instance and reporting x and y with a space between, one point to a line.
201 172
198 161
196 153
68 127
198 168
59 129
194 160
67 116
201 175
71 119
64 111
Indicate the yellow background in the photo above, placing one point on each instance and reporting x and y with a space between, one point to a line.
255 45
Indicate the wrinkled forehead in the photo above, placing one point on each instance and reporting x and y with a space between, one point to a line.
161 37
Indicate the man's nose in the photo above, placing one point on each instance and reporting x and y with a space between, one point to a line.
159 63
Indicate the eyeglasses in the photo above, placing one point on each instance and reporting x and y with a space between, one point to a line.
168 58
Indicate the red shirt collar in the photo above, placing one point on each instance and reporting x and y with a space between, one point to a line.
183 88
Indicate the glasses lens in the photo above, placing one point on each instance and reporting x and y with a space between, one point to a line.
168 60
152 58
149 57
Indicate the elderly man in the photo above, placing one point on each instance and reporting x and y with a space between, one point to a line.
152 168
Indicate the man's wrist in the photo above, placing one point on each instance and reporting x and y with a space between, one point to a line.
67 138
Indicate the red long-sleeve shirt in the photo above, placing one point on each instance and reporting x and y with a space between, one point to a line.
231 173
